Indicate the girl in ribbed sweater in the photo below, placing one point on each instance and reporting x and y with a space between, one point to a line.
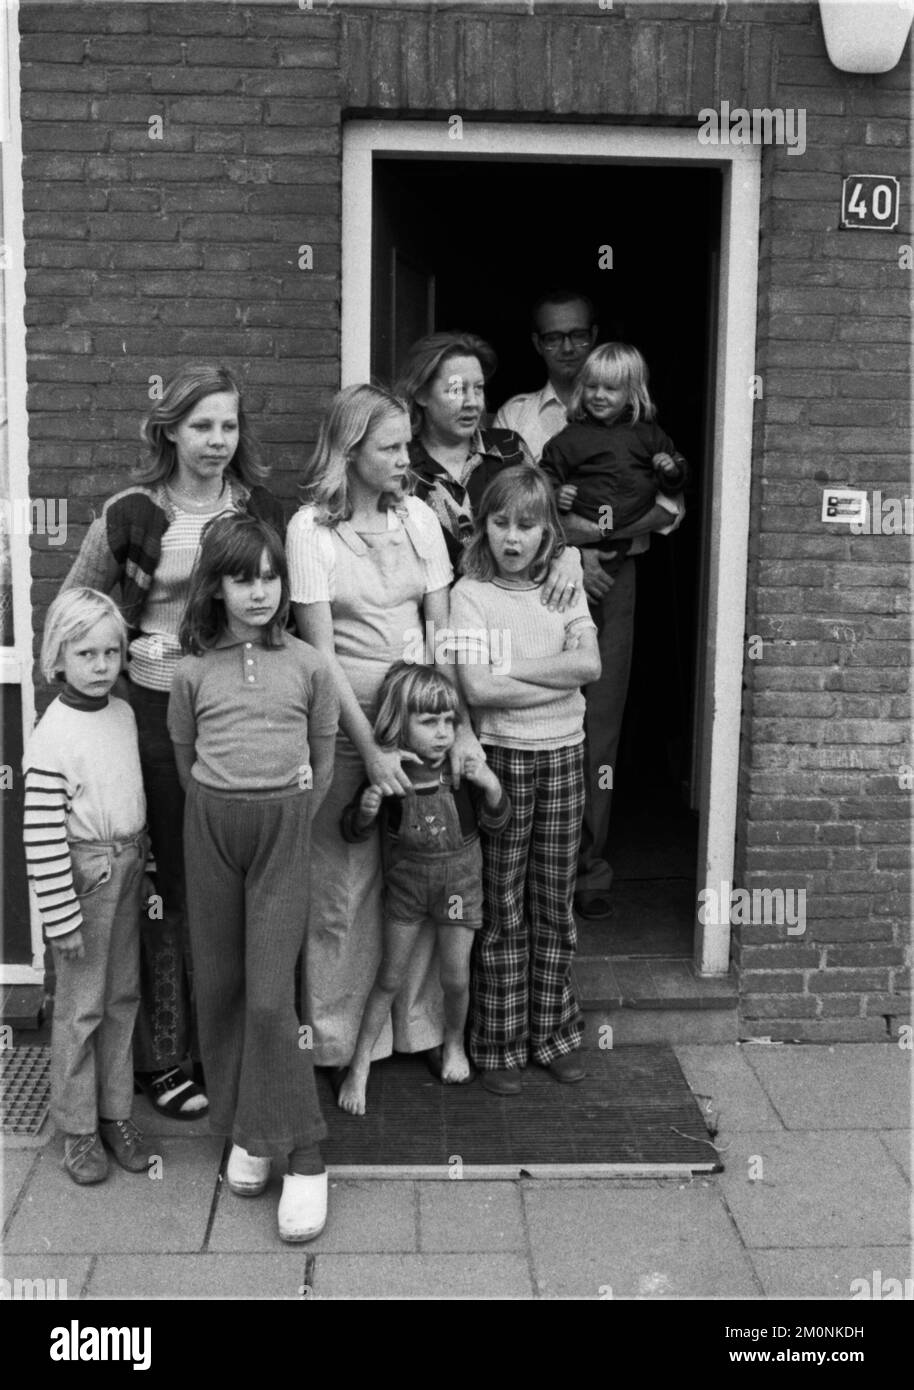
521 668
86 849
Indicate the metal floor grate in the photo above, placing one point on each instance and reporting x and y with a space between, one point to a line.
25 1089
633 1113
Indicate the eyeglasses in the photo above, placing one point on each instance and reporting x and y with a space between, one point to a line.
578 337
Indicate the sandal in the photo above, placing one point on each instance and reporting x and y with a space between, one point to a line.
157 1084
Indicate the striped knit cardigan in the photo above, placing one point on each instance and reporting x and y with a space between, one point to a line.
122 547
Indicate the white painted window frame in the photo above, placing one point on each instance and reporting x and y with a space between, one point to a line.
16 661
728 540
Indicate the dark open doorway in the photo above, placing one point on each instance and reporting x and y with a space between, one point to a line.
470 244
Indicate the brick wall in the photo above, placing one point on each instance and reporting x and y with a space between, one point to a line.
142 253
827 707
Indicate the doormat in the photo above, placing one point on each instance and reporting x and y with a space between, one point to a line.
633 1115
25 1089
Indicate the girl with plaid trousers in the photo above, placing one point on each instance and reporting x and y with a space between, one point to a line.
521 668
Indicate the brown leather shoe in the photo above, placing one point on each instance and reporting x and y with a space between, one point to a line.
84 1158
126 1143
502 1082
567 1068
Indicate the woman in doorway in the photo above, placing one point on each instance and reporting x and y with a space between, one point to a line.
368 563
203 461
453 458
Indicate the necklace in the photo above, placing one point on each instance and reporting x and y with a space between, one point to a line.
203 504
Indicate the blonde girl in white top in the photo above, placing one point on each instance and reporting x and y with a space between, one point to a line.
368 570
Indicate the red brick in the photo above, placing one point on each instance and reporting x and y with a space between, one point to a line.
162 255
477 66
385 63
765 1006
311 27
218 141
533 68
847 981
777 957
841 1006
196 19
194 81
230 52
157 164
823 1030
878 1005
52 48
72 370
48 135
417 63
772 981
870 954
279 140
217 111
136 138
126 50
66 77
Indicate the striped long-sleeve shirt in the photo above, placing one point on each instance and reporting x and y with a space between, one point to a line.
82 782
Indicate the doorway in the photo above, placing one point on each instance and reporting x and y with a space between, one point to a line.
471 246
445 238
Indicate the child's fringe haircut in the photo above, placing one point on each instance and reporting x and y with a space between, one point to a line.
409 689
523 490
616 364
231 547
72 614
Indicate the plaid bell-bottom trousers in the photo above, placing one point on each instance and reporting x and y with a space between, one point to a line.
523 1005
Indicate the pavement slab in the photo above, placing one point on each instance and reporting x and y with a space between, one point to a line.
848 1086
60 1276
362 1216
488 1276
723 1078
654 1240
464 1216
279 1276
15 1167
815 1189
899 1143
831 1273
127 1212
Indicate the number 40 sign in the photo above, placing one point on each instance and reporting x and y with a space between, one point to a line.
870 200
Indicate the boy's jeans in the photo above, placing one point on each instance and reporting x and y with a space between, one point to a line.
97 997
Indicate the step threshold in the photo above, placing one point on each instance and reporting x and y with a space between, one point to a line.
512 1172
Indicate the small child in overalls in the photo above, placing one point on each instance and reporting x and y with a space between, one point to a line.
432 860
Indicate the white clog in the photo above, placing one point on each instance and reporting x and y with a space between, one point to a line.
302 1206
246 1174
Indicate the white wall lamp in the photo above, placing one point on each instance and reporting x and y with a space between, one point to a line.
866 35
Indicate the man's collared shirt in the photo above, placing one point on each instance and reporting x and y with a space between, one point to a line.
536 417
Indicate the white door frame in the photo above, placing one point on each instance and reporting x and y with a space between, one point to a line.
728 540
16 661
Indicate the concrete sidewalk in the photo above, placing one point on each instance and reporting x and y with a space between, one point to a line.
816 1194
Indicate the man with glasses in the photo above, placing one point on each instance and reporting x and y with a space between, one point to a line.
564 332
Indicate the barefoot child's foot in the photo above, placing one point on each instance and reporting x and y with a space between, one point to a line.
455 1066
351 1096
